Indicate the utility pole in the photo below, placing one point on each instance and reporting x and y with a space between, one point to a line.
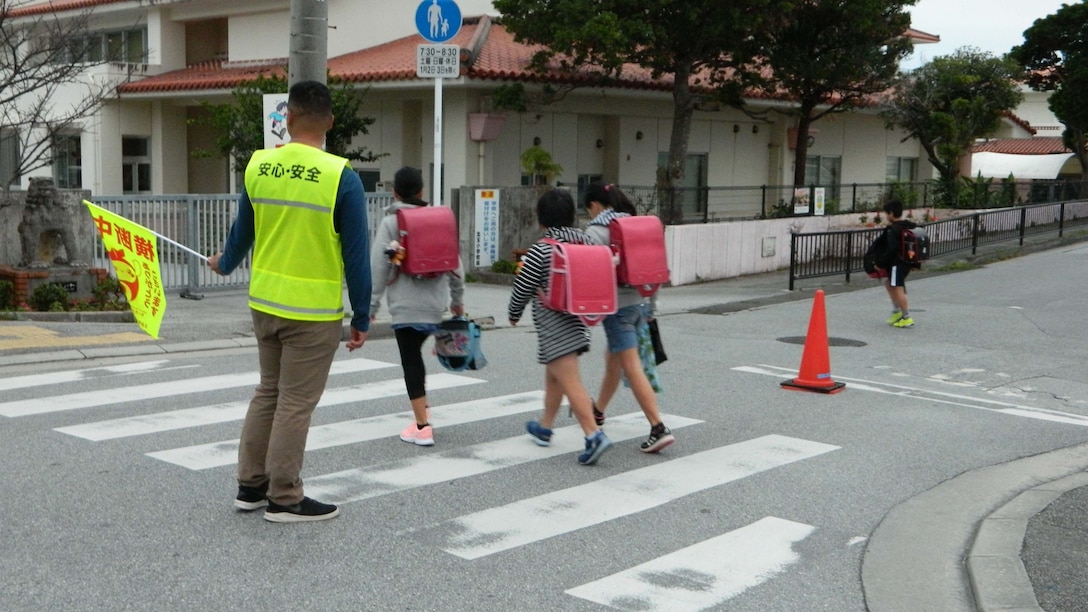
309 59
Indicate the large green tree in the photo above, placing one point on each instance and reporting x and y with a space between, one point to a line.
239 126
830 57
1055 55
949 103
687 40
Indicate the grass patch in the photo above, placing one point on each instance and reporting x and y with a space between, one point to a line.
955 266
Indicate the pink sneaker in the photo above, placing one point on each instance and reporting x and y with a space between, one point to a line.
417 436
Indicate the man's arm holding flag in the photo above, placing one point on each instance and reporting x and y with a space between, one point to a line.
239 240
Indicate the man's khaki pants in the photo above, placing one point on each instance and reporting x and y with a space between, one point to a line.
295 359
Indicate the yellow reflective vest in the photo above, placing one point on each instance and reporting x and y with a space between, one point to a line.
298 268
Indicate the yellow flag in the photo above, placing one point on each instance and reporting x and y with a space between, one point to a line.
133 251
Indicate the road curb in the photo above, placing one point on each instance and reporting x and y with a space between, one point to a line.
998 576
915 558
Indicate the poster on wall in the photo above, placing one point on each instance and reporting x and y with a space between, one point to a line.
818 201
487 228
800 200
275 120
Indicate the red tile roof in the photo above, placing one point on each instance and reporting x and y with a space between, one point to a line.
56 6
488 51
1021 122
207 76
1041 145
918 36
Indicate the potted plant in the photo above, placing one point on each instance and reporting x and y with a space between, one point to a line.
538 163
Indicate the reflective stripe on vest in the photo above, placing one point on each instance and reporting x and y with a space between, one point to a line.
298 268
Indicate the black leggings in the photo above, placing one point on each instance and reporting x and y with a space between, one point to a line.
410 342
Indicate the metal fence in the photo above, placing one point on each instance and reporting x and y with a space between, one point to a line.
200 222
710 204
818 254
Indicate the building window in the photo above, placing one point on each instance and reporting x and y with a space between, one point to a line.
125 46
135 164
370 179
9 157
583 181
903 169
67 162
826 172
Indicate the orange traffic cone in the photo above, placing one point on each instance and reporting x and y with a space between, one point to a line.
816 360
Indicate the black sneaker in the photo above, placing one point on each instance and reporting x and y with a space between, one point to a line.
598 416
306 510
658 440
251 498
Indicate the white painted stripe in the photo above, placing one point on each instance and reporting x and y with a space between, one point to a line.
218 454
954 399
704 575
526 521
364 483
56 378
118 395
235 411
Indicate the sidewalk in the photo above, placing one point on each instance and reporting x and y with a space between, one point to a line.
947 547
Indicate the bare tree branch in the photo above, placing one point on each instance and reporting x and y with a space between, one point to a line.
46 82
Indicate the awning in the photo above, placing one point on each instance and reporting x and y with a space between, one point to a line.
1001 165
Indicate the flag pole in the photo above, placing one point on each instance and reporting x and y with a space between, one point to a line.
179 245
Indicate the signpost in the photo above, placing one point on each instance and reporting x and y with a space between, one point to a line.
438 21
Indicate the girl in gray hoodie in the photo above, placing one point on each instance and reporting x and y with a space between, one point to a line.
416 303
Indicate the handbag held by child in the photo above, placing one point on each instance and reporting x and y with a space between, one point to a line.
457 345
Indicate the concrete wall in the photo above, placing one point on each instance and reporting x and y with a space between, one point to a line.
696 253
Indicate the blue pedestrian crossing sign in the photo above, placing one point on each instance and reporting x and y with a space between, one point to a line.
438 20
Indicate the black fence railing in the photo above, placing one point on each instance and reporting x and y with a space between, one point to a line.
819 254
712 204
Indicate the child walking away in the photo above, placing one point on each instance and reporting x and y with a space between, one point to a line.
604 203
416 302
561 337
891 262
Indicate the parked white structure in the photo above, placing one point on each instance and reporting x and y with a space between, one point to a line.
198 50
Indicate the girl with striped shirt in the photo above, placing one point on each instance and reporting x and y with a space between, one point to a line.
561 337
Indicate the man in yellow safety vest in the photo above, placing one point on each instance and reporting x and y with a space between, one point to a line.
303 211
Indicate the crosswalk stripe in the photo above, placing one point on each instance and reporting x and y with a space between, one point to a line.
497 529
56 378
106 397
218 454
364 483
703 575
235 411
953 399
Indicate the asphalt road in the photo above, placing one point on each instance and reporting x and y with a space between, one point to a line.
119 470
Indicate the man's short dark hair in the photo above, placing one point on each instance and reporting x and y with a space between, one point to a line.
555 209
309 98
894 208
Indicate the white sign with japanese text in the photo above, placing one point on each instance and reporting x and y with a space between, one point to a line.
487 228
438 61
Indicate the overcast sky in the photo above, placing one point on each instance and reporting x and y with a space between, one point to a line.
991 25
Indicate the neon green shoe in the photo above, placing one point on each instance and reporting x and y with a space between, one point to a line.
907 322
895 317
